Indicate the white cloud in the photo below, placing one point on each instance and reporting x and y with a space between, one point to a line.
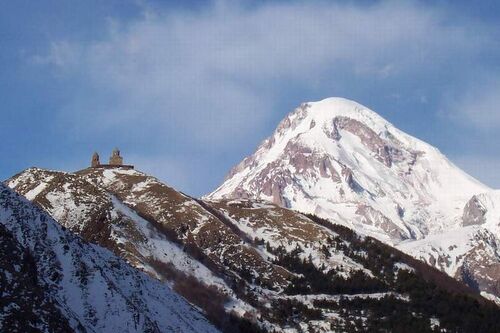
210 73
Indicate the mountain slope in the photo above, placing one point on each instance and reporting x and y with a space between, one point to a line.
70 285
254 261
341 161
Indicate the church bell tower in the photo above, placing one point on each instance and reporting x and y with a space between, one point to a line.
115 158
95 160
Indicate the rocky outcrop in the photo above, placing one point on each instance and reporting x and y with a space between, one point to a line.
372 217
381 150
474 212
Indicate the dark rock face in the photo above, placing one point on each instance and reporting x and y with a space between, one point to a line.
368 137
474 212
25 306
373 217
481 268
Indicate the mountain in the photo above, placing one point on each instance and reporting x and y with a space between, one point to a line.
343 162
53 281
253 266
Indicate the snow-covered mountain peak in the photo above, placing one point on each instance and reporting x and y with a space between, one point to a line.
317 117
313 120
329 108
340 160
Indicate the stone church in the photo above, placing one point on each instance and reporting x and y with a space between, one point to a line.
115 161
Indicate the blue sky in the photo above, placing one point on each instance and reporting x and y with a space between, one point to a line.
187 90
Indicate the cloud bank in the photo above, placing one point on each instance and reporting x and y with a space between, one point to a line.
212 78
